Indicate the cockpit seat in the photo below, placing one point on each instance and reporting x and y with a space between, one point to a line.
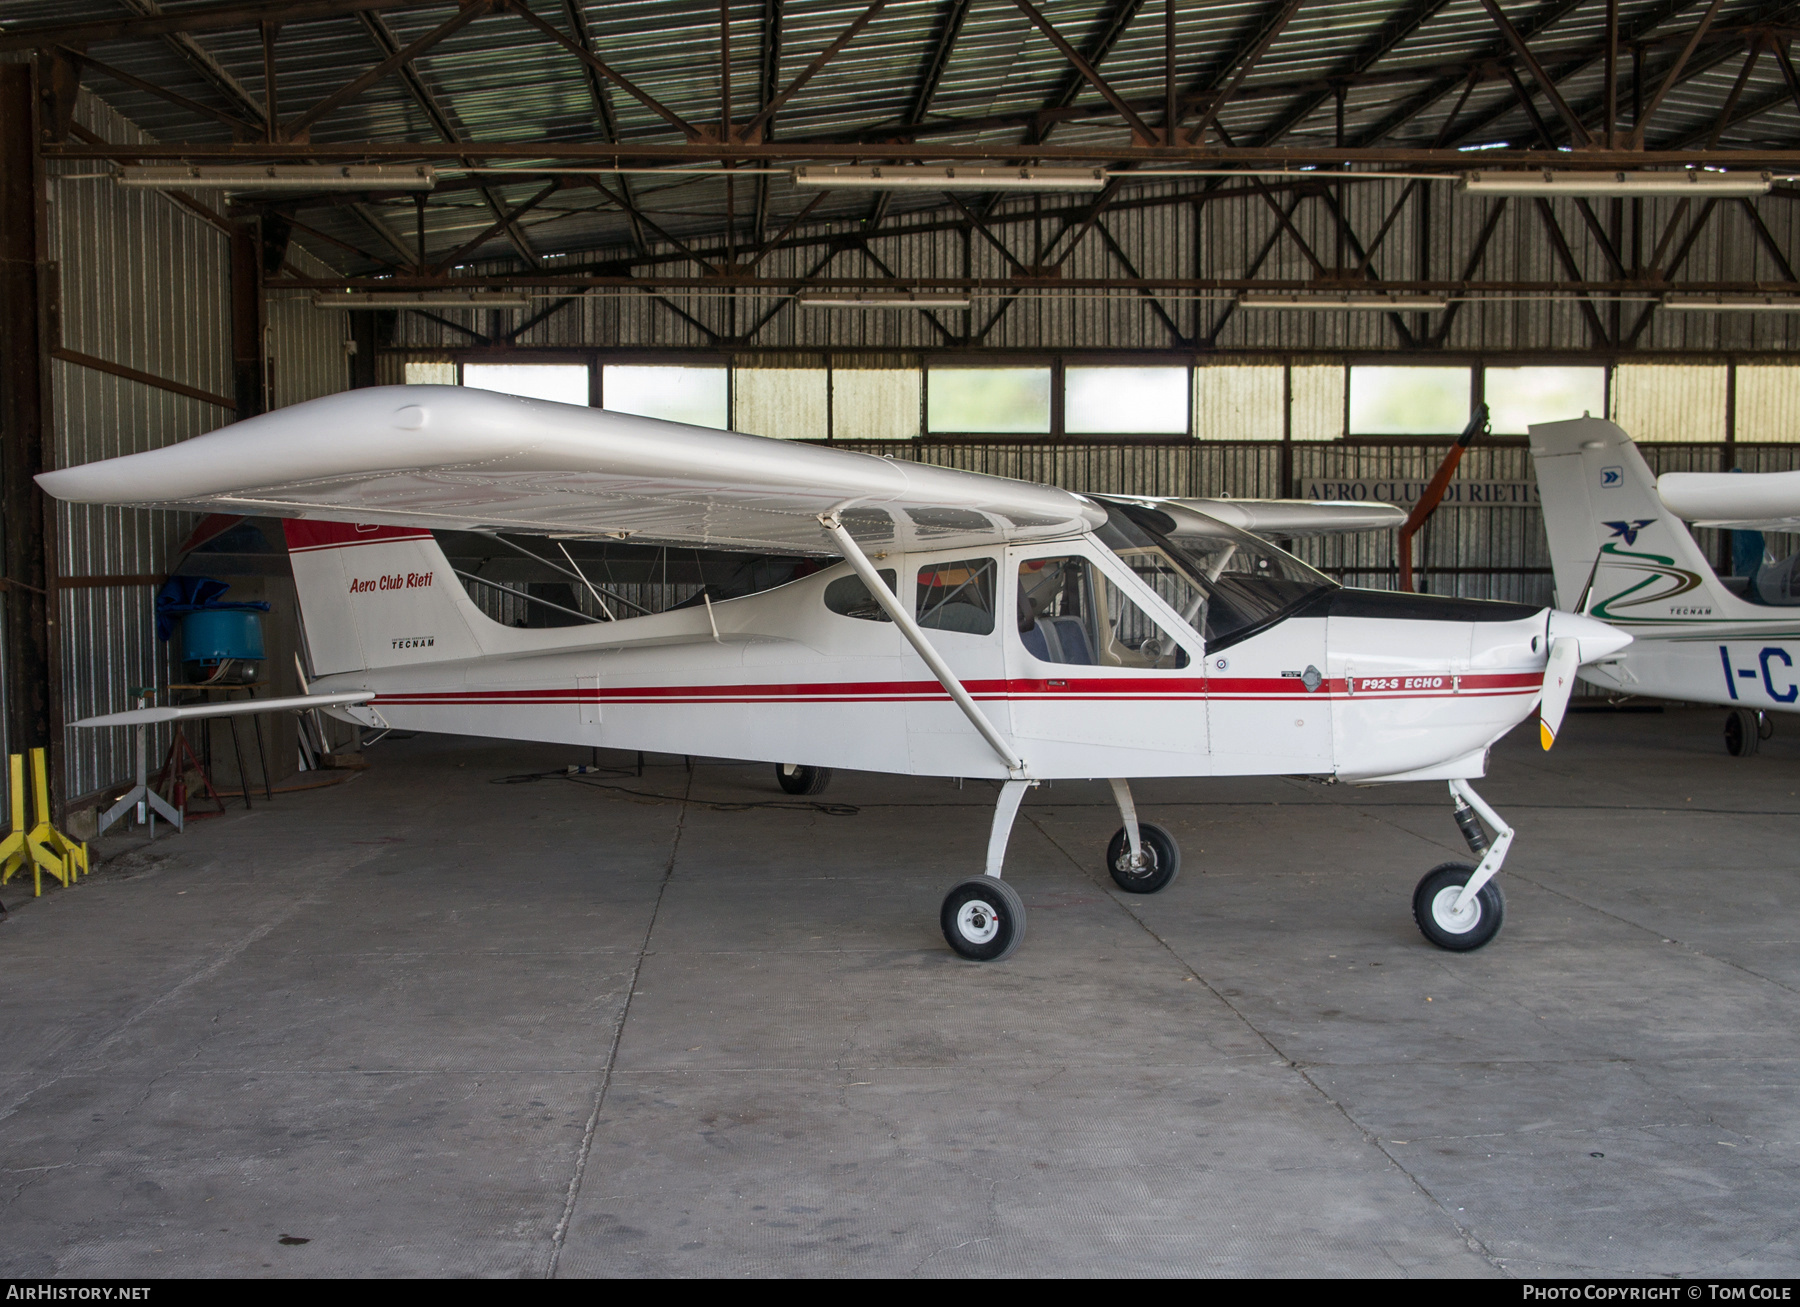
1058 640
1071 639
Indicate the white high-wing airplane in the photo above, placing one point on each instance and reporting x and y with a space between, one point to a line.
1622 553
974 627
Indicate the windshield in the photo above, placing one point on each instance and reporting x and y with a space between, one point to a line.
1226 583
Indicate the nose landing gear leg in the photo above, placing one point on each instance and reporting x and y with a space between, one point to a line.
984 917
1457 906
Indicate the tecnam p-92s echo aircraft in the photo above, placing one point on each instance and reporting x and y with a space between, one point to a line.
944 624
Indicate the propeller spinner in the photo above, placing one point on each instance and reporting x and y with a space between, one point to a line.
1574 641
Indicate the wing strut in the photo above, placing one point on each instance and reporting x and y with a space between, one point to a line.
858 560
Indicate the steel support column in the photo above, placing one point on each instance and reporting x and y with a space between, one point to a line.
248 369
32 699
363 335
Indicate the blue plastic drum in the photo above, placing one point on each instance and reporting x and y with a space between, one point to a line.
221 646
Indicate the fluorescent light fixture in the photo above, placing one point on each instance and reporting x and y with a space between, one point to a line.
1733 303
891 300
953 179
1351 302
280 177
1673 181
448 299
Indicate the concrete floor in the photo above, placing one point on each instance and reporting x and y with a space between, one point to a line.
437 1026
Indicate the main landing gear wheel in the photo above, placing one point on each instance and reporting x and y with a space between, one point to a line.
803 780
1434 908
1162 859
983 919
1745 731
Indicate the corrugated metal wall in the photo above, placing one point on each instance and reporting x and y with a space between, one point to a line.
306 355
145 283
1434 237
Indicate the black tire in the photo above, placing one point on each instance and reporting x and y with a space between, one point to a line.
1162 859
1432 899
1765 726
1743 733
803 780
983 919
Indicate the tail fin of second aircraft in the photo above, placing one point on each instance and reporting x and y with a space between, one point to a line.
1617 552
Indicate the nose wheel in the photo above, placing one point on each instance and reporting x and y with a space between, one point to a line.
1458 927
1458 906
983 919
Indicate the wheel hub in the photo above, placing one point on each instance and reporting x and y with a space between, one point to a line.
1446 914
1138 864
977 921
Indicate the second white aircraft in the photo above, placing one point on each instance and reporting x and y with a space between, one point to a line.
1622 553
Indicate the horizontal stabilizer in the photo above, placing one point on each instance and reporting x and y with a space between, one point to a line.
448 457
1298 517
1741 501
235 708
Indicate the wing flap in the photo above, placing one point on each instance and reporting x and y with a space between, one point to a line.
454 458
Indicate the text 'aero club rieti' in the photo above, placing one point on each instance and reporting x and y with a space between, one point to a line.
910 619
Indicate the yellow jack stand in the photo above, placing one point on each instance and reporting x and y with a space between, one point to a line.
41 846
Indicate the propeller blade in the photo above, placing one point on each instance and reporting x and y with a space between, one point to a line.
1559 684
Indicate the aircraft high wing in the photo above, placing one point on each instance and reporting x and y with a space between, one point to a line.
449 457
1293 519
1738 501
945 623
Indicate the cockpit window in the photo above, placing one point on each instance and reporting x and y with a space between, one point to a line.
1227 583
958 596
1071 612
849 597
1768 581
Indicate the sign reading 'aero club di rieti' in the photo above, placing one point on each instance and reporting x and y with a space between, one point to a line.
1458 494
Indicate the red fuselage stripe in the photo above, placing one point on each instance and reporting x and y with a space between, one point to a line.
1246 689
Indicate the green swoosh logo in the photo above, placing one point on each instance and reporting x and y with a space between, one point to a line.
1657 568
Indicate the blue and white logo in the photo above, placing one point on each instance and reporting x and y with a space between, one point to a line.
1629 530
1611 478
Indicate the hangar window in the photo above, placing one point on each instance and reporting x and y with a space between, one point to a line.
700 397
1518 397
566 383
1670 401
849 597
1239 402
430 374
958 596
999 400
1424 401
1768 403
874 403
1318 410
785 403
1138 401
